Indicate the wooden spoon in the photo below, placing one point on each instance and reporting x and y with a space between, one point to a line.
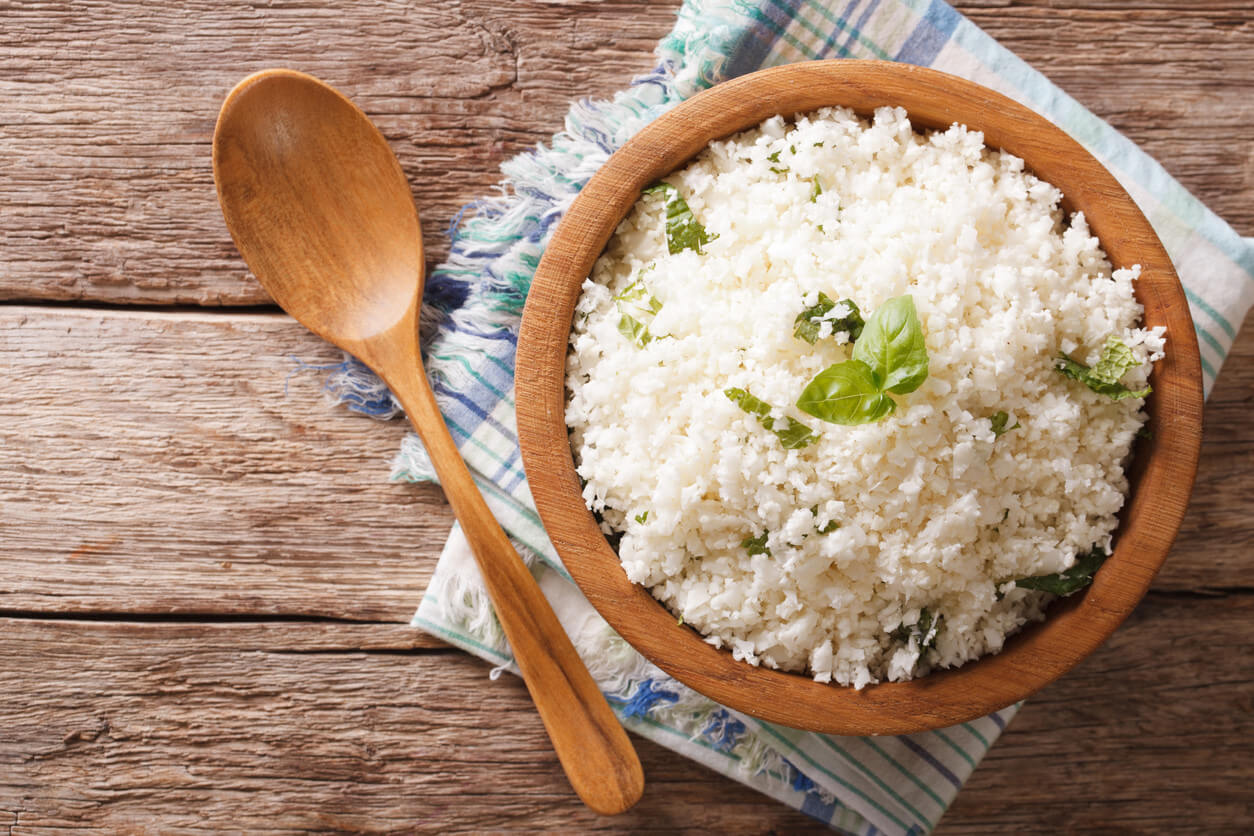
321 211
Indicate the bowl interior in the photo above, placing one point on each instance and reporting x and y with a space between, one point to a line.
1161 478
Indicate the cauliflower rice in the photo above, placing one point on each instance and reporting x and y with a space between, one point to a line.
873 531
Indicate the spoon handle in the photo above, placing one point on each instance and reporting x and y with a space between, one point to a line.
592 746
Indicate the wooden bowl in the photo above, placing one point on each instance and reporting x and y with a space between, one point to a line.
1163 470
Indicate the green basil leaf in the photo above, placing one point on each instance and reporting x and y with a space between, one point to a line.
756 545
1097 380
683 231
793 436
816 188
998 422
1070 581
806 327
845 393
892 346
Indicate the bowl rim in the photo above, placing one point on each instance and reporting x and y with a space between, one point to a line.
1161 477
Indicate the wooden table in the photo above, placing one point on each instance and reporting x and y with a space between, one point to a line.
205 577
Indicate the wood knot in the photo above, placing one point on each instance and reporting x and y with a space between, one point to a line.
87 735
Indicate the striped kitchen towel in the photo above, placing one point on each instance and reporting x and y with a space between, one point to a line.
474 301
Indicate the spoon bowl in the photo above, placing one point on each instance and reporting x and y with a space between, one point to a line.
321 211
315 191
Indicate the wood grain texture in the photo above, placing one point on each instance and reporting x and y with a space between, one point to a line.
1160 480
110 421
105 135
285 727
275 728
1132 740
104 142
182 463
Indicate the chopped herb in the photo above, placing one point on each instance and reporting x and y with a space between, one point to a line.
635 304
818 145
642 518
827 529
888 356
683 231
793 436
634 330
805 326
1115 361
637 293
820 228
792 149
778 170
1072 580
998 424
929 627
1103 378
680 621
756 545
773 157
922 631
816 188
831 526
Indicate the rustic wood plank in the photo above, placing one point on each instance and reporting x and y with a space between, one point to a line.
179 463
183 728
104 143
109 112
1218 530
1153 734
288 726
